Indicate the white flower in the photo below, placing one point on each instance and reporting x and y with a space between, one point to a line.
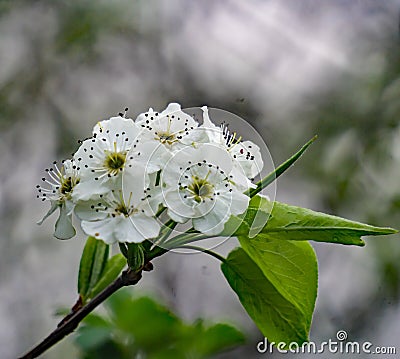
247 160
198 186
105 156
60 186
120 215
166 130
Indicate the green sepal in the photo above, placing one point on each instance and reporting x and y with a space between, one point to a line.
136 256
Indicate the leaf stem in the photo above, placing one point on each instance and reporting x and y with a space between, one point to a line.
211 253
127 278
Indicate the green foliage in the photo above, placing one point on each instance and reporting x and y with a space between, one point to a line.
288 222
141 326
272 294
290 266
111 271
275 273
296 223
96 270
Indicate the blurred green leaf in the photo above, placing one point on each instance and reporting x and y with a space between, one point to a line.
141 325
90 337
148 322
217 338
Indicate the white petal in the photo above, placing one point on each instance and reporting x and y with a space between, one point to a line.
85 211
177 206
143 117
251 167
134 184
215 155
213 222
237 201
206 118
103 229
88 189
53 207
64 228
117 125
126 232
196 136
151 204
180 119
176 217
240 180
148 227
151 154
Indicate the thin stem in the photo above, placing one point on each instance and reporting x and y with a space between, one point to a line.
184 238
127 278
278 171
165 232
160 211
211 253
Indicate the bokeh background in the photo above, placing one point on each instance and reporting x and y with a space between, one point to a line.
292 68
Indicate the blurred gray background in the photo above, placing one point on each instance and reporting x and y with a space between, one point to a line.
292 68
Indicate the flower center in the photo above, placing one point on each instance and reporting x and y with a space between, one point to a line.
66 185
123 209
166 137
201 189
115 162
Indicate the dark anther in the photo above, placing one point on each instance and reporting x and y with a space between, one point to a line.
148 267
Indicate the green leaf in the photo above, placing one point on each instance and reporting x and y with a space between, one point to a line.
283 221
252 221
92 337
277 318
99 262
93 261
279 170
296 223
290 266
141 322
147 321
85 267
111 271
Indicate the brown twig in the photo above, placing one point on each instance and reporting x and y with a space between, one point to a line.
69 323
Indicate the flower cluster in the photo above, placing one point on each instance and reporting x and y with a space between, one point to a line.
128 172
